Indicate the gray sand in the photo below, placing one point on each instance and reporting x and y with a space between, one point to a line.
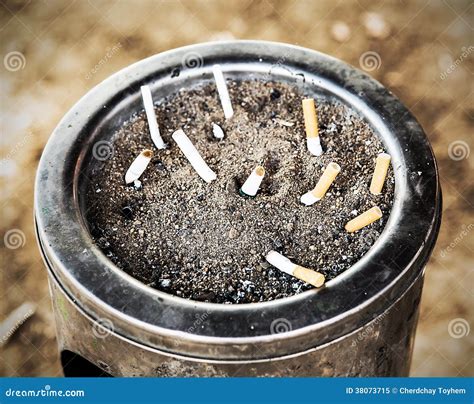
207 242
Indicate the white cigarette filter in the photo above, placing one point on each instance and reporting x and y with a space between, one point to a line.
364 219
311 126
223 91
138 166
252 184
217 131
285 265
328 177
193 156
151 117
380 173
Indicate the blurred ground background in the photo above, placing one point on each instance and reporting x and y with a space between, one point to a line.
55 51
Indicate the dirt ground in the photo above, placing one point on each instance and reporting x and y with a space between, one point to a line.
55 51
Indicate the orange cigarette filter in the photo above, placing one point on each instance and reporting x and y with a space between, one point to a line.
380 173
309 276
364 219
310 118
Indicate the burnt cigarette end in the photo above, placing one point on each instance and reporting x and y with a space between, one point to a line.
147 153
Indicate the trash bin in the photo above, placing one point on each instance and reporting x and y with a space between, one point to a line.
362 323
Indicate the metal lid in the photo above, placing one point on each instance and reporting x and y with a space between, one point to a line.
244 331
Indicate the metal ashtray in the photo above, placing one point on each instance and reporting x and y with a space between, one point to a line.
362 323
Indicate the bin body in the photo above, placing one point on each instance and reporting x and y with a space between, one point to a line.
382 347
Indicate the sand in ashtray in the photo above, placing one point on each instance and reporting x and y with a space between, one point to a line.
207 242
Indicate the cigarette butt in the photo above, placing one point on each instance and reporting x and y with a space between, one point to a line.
138 166
193 156
252 184
311 126
364 219
307 275
310 118
151 117
380 173
223 91
217 131
329 175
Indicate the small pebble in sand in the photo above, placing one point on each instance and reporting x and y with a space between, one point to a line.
233 234
165 283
